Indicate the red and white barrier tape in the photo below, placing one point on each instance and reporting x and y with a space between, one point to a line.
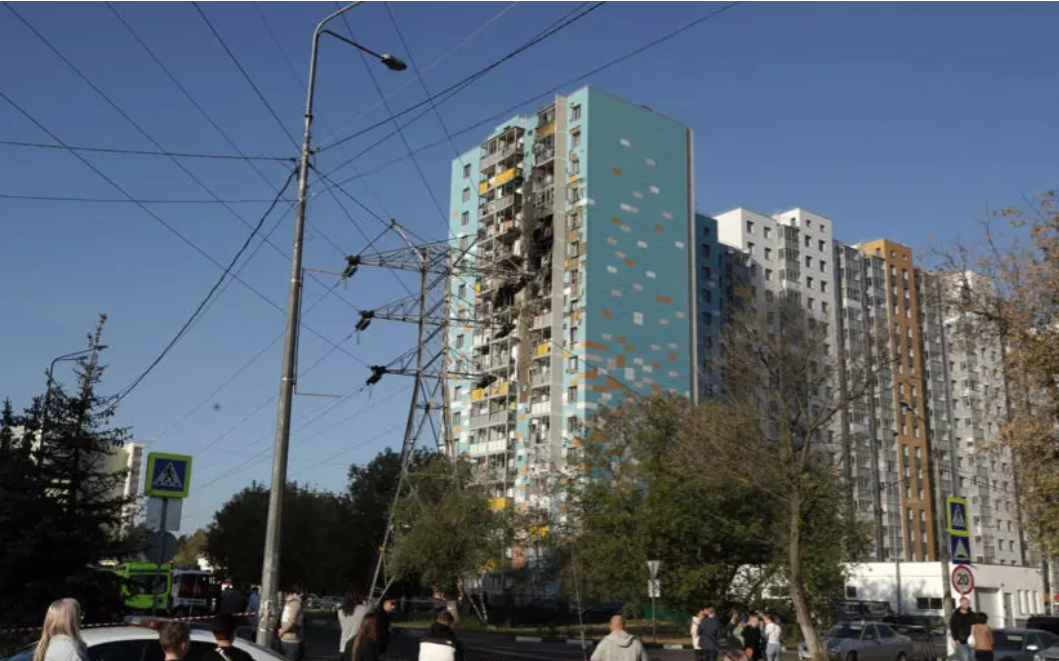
132 621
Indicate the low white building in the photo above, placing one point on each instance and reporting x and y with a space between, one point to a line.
1009 595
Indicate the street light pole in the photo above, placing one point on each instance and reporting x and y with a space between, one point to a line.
274 526
47 393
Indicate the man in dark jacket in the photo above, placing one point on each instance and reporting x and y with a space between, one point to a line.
382 622
709 635
960 628
441 632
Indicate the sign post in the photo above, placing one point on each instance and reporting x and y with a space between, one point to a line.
654 591
959 530
168 479
962 579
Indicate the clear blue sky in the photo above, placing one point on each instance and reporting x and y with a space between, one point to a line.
903 120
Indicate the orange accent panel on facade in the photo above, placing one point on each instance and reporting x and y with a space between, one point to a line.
663 299
909 387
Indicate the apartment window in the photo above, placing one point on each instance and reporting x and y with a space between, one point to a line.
767 231
768 275
575 166
823 286
573 363
571 394
575 112
573 249
465 218
467 171
749 227
823 266
810 303
463 242
808 241
707 319
575 138
821 245
459 341
456 419
750 248
768 252
573 335
461 291
707 272
809 281
808 262
466 194
823 306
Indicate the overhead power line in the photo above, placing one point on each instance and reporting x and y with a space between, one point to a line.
161 221
515 107
465 82
122 200
209 295
246 76
426 70
148 152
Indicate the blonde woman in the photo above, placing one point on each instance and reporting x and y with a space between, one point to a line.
60 637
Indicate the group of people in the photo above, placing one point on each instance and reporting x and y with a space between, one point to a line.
60 638
971 633
365 633
757 634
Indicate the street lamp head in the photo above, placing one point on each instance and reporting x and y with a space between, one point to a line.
393 63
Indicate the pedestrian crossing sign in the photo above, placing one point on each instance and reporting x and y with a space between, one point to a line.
957 515
168 475
960 548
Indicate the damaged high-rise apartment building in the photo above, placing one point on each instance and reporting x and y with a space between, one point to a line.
586 208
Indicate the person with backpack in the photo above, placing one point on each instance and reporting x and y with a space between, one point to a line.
223 628
290 629
441 643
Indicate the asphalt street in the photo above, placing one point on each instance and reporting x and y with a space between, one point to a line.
322 644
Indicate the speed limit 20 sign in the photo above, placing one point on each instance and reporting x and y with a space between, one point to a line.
963 579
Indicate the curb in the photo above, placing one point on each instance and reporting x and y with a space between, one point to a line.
589 643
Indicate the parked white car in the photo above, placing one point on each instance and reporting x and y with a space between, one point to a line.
140 643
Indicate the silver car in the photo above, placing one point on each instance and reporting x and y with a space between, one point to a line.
140 643
864 641
1022 644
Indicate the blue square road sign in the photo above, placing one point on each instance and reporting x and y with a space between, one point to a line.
168 475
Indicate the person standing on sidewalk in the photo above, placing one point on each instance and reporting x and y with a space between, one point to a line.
383 622
773 638
752 642
983 638
290 628
695 620
619 644
709 635
960 629
366 644
350 617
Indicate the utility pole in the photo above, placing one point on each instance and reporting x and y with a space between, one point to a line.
274 525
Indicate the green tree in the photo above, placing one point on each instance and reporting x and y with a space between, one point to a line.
636 503
1001 286
768 428
318 531
371 489
59 498
444 528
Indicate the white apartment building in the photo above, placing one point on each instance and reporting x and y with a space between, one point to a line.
931 425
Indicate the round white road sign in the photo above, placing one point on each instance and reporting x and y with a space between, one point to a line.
962 579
